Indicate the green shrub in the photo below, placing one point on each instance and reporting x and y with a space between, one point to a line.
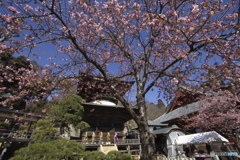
53 150
94 155
45 131
116 155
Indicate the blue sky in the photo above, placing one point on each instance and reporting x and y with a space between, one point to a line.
48 50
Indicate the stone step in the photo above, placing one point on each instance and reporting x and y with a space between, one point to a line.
106 149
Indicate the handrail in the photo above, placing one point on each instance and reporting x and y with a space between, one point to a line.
15 134
120 141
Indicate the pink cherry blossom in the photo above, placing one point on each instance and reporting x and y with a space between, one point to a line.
6 121
195 8
191 41
174 80
28 8
12 9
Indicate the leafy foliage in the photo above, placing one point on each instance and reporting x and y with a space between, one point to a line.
44 131
116 155
41 106
153 43
69 111
113 155
47 146
7 59
54 150
221 111
22 80
90 155
10 67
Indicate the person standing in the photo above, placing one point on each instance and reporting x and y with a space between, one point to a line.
100 137
108 138
85 138
225 148
93 137
208 147
116 138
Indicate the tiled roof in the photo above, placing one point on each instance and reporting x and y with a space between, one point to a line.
179 112
165 130
205 137
151 123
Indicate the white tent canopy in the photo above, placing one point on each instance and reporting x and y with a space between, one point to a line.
204 137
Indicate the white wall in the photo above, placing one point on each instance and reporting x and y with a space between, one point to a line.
171 145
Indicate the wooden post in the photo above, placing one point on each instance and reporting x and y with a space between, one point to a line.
129 149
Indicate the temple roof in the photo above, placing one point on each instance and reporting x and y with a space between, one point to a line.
93 88
6 113
187 94
179 112
166 130
153 124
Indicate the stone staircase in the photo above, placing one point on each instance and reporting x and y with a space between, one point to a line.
108 148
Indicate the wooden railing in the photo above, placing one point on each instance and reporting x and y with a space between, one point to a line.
132 141
119 141
7 134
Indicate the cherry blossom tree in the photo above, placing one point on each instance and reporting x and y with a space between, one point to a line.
220 114
22 82
155 43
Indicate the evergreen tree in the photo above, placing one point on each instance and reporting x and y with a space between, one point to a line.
45 131
53 150
90 155
68 111
116 155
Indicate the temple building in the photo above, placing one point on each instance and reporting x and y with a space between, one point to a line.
187 102
106 116
16 127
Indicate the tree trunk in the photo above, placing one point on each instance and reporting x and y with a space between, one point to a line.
236 142
146 137
147 143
